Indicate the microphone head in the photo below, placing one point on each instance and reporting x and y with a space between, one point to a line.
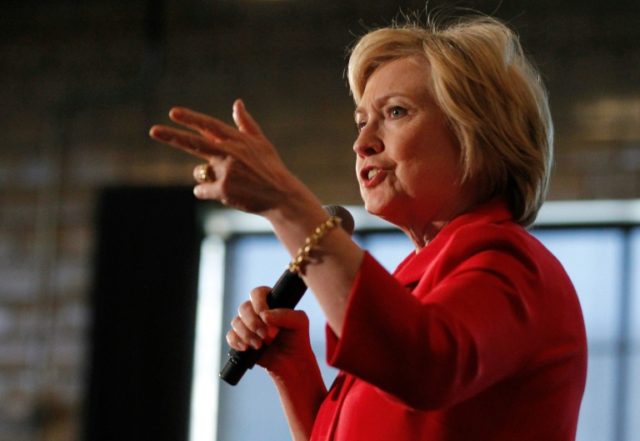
348 223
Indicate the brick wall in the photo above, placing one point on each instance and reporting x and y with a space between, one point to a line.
81 82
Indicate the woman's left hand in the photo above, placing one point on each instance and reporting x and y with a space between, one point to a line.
243 168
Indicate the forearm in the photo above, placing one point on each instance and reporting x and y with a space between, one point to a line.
301 396
336 259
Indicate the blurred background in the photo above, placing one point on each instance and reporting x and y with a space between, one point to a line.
82 81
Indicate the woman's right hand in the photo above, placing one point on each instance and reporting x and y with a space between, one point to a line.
285 332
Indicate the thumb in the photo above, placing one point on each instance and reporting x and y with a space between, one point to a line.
288 319
244 120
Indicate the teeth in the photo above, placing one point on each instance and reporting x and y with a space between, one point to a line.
371 174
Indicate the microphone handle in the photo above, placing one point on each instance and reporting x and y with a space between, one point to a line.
286 293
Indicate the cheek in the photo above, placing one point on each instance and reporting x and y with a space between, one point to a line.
356 168
429 168
439 154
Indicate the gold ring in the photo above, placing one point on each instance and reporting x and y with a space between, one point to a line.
203 173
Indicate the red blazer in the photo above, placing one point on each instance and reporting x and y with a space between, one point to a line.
479 336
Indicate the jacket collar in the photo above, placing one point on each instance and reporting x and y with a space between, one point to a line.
413 267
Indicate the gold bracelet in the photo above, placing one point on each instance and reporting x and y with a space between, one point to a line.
303 254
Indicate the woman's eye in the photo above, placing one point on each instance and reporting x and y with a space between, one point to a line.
360 125
397 111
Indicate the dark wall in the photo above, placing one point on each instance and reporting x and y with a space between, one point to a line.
143 310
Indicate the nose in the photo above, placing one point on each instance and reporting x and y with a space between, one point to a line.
368 142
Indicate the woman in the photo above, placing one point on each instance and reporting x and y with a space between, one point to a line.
478 334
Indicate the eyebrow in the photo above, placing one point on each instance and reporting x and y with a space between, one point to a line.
377 101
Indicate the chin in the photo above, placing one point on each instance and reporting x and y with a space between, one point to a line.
382 210
373 207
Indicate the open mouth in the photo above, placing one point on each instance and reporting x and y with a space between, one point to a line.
371 175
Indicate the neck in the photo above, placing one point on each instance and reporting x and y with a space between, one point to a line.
422 233
421 236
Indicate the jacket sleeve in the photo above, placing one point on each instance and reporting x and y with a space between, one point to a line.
439 344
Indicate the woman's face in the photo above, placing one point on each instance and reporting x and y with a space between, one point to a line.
407 159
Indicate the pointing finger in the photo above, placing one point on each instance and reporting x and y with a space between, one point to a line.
244 120
208 126
189 142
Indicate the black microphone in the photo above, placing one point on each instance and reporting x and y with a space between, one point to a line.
286 293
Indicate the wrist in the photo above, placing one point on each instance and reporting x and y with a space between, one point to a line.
287 374
299 213
297 203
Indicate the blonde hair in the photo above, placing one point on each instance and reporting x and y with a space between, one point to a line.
493 98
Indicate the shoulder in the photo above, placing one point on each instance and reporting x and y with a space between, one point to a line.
503 248
486 240
495 243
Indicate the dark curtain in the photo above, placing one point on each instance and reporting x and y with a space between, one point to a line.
143 312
